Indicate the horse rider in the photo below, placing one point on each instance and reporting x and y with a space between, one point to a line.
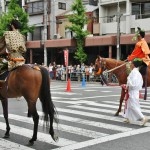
12 44
141 50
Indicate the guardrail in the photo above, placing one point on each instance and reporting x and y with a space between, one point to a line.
78 76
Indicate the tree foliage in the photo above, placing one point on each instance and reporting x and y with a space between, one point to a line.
78 20
15 11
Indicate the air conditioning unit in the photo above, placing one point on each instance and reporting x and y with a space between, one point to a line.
56 36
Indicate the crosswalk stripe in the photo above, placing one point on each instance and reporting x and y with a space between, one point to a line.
93 97
62 127
8 145
41 136
98 109
94 123
117 103
92 109
83 101
82 98
65 93
81 131
93 115
109 106
88 143
59 98
142 107
102 110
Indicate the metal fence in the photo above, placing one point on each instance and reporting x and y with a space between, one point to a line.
78 76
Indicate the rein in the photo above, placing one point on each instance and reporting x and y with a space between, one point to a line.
115 68
102 64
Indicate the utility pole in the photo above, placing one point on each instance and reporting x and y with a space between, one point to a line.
118 31
53 19
3 7
45 32
48 14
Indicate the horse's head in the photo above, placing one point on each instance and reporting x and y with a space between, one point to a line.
99 65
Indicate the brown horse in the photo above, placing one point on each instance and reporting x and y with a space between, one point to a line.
31 83
120 73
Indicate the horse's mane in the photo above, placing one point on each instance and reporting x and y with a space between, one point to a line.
114 61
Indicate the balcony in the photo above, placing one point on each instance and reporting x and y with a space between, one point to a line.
142 16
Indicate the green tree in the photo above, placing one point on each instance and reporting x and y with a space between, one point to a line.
15 11
78 20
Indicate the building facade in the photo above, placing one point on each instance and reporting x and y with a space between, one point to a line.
113 22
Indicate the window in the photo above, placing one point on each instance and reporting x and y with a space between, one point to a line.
35 7
37 34
135 9
141 10
61 5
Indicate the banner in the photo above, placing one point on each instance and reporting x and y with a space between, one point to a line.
66 57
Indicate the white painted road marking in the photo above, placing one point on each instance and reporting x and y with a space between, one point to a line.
106 91
93 115
66 93
95 124
104 139
8 145
62 127
90 90
41 136
72 145
92 109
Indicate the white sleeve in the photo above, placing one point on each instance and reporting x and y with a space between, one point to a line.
135 80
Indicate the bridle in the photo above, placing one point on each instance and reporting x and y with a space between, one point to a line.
105 68
103 64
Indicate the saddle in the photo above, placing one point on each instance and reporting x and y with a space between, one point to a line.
4 74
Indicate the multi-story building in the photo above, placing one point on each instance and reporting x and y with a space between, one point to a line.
132 13
115 23
56 29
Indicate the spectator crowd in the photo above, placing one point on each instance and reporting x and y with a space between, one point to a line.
75 72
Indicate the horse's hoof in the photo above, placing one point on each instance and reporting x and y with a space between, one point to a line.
30 143
55 138
6 136
116 114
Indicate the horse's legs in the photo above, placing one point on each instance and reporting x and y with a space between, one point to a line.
5 113
51 130
32 110
28 114
121 101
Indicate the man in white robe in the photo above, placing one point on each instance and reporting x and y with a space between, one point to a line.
134 85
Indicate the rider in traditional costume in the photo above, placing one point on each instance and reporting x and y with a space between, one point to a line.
13 45
141 50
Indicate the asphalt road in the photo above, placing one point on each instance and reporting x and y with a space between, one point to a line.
86 121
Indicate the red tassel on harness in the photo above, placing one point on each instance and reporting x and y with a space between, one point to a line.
124 87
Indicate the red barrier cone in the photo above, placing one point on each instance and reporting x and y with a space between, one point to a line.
68 86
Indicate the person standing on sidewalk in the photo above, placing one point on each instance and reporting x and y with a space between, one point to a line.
134 85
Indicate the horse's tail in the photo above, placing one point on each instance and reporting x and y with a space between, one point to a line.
45 97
